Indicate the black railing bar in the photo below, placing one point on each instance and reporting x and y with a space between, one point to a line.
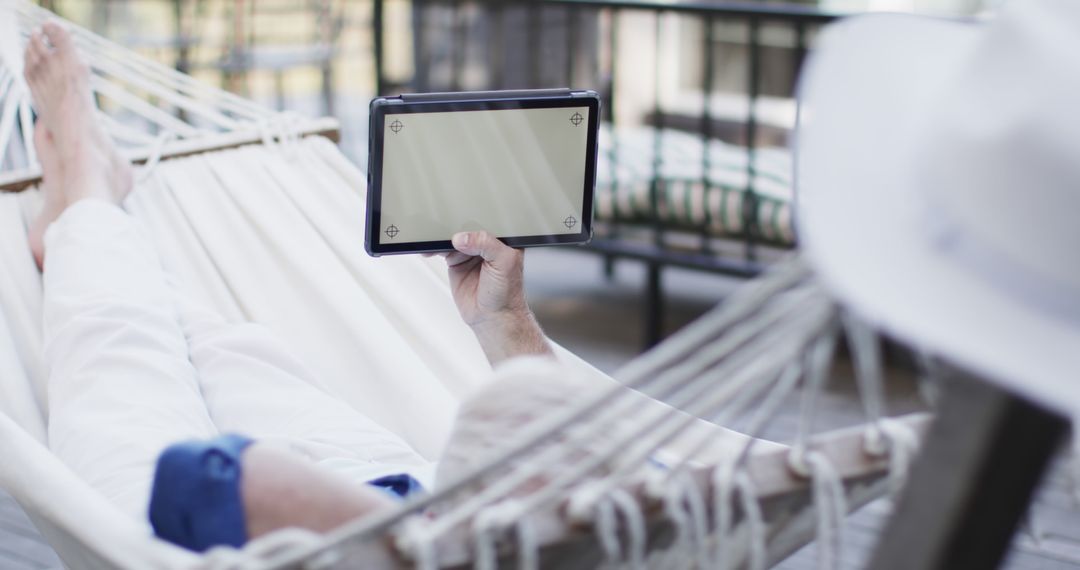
379 48
422 59
571 42
793 136
707 130
800 48
750 204
728 9
536 47
658 145
613 46
459 45
497 47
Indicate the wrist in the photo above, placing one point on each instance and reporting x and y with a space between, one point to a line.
510 333
503 319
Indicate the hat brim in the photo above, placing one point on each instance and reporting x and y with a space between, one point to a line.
866 94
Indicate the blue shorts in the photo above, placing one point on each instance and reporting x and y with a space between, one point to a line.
195 501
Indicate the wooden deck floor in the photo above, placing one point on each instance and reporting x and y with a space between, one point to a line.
598 320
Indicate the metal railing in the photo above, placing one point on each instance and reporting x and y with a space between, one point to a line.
748 50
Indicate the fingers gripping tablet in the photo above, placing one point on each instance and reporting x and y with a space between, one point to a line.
518 164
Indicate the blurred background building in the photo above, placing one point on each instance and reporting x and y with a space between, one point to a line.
319 56
698 98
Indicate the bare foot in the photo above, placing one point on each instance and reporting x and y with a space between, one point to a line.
77 158
53 205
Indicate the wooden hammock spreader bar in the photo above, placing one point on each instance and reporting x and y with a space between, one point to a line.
19 180
784 496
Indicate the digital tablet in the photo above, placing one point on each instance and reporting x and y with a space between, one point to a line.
518 164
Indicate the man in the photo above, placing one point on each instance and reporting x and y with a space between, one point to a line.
143 383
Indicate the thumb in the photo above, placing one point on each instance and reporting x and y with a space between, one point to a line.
483 244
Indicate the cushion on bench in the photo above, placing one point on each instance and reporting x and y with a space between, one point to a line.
686 198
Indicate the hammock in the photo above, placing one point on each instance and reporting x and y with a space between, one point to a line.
217 219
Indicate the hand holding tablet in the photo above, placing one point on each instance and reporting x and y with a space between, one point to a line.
520 165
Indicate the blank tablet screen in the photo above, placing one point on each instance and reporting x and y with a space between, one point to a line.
512 172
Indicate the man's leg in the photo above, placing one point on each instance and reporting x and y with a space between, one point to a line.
121 387
253 384
312 456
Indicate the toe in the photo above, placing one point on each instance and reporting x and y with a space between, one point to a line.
38 45
35 48
70 65
59 38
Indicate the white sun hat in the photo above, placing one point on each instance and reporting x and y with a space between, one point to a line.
939 187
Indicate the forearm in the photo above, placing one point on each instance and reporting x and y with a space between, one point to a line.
506 335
